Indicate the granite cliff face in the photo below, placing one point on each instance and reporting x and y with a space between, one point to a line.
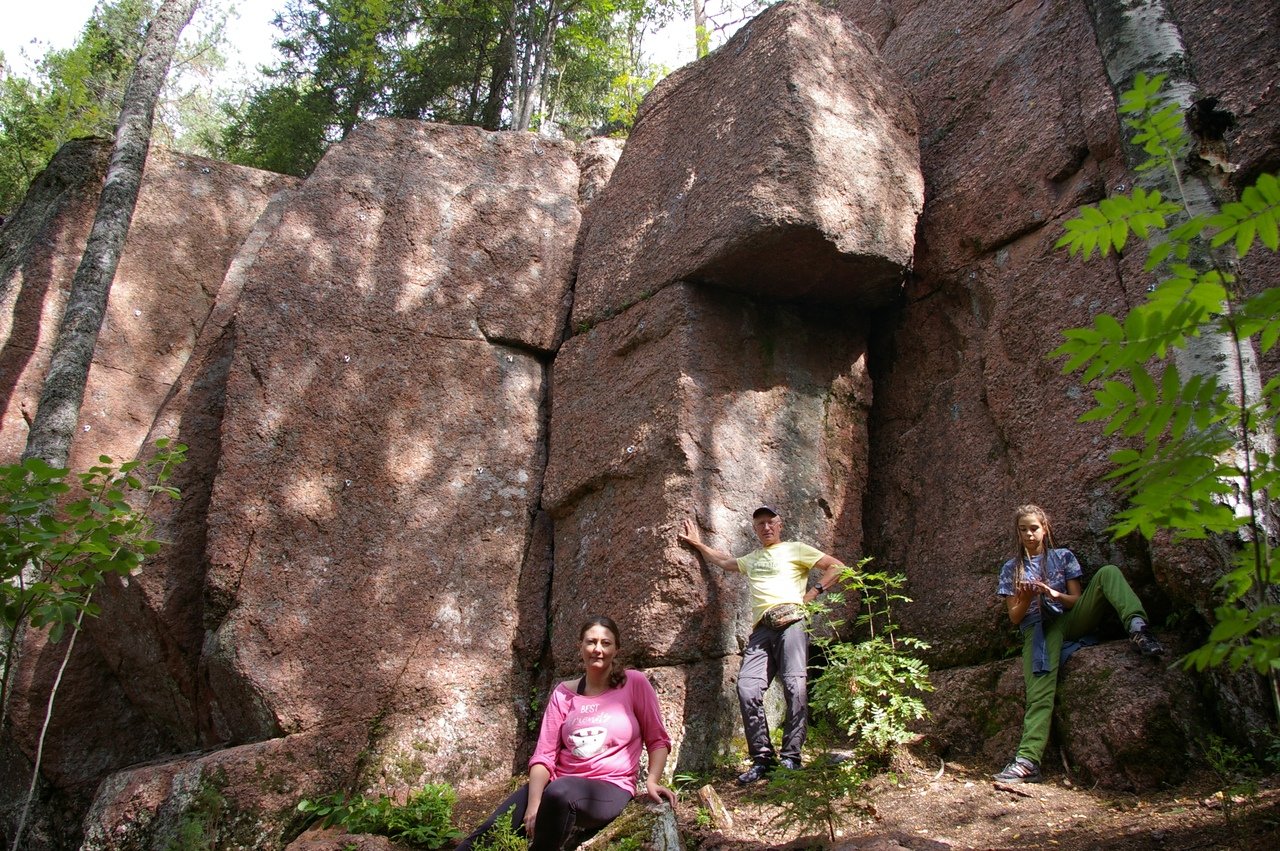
456 390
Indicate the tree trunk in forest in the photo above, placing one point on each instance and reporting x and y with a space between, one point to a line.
535 50
64 384
701 37
1143 36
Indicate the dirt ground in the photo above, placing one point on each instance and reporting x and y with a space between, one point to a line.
959 806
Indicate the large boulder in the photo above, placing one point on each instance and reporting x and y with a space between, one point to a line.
696 408
382 451
1122 721
690 404
134 668
245 797
785 164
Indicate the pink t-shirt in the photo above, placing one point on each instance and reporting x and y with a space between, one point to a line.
600 737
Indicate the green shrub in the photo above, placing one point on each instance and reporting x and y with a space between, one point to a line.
870 689
502 836
423 821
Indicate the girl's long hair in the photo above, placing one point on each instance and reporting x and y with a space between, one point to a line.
617 671
1022 559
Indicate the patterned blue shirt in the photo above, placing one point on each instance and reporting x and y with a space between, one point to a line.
1062 567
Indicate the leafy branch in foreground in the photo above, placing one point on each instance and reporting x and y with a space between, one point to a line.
1179 375
53 557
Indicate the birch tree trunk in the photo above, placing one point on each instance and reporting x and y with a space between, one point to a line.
64 384
701 36
1143 36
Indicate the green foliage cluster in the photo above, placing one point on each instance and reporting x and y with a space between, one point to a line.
827 794
871 689
1205 463
78 92
502 836
498 64
198 829
53 557
423 821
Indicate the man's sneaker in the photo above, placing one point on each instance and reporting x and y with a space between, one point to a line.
1021 770
754 774
790 763
1145 643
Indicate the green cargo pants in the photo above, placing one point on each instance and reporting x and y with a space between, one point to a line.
1108 585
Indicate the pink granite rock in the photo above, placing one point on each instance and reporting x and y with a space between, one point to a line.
249 792
785 164
382 449
168 277
1122 721
697 403
134 667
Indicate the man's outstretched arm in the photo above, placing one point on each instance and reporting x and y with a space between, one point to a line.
719 558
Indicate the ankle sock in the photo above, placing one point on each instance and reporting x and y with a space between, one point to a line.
1137 624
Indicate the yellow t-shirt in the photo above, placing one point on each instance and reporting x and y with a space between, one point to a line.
777 574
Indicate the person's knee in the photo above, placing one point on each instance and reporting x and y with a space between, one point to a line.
557 794
1108 571
751 691
796 685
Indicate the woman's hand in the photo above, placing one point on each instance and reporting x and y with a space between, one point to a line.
656 793
530 819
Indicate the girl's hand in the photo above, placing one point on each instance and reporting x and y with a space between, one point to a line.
530 818
657 793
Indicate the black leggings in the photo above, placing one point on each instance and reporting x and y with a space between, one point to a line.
567 802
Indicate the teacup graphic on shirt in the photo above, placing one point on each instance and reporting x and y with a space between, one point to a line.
587 741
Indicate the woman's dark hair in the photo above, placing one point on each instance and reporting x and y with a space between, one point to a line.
617 672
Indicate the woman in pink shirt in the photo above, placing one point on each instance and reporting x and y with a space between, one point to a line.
583 771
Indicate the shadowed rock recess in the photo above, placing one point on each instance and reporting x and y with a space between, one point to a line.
456 390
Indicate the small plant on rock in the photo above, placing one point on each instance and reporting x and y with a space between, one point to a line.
423 821
502 836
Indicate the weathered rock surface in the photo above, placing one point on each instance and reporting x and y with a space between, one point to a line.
134 668
1122 721
786 164
1017 129
166 282
382 358
248 794
697 409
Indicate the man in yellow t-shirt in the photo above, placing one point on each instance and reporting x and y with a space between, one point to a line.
777 574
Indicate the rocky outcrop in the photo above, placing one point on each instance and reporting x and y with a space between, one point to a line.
425 443
135 667
785 165
1122 721
382 449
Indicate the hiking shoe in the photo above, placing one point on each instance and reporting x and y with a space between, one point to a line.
754 774
1145 643
790 763
1021 770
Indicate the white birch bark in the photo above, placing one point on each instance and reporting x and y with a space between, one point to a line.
63 391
